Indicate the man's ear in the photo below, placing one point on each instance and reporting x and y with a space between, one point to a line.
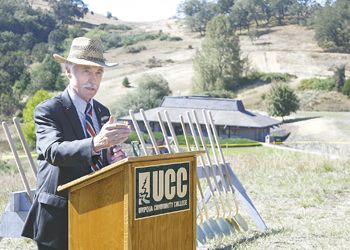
68 73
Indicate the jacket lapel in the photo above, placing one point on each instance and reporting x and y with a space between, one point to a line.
72 115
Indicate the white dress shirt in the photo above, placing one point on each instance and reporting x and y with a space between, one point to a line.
80 106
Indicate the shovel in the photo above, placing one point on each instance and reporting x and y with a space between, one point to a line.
208 229
212 223
237 217
18 161
225 227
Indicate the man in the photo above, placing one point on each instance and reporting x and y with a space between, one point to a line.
75 135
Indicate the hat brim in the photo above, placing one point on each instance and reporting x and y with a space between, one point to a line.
61 59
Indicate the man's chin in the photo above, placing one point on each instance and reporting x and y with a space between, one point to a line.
88 97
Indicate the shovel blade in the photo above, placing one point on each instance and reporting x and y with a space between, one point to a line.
208 231
241 222
215 226
201 235
226 228
234 224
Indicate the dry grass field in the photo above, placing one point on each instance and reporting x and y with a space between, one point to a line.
304 200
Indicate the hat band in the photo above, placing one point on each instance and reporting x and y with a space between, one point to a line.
88 58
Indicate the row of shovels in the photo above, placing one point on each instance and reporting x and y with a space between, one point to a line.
226 219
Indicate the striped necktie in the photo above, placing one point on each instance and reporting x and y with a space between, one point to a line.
90 132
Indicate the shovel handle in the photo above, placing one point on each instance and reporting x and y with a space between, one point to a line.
18 162
25 145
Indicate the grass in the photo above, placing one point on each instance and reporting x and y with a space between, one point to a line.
304 200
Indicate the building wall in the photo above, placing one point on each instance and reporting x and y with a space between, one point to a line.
256 134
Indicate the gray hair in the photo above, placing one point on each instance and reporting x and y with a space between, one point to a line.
69 66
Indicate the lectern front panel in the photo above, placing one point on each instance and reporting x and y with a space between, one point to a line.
146 203
96 215
166 217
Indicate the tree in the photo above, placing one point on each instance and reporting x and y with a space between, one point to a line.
18 17
218 64
244 12
12 68
149 93
28 115
281 100
21 28
67 10
47 76
56 39
224 6
339 77
239 15
332 26
279 9
8 104
197 14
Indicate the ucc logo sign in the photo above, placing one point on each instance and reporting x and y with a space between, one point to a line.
161 189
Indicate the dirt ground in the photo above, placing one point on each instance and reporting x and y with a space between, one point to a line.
326 132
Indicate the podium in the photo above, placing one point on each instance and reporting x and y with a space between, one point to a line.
146 202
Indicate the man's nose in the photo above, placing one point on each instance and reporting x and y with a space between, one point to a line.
93 78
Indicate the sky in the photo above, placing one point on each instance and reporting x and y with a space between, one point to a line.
135 10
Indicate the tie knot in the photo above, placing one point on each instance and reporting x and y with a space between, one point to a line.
88 109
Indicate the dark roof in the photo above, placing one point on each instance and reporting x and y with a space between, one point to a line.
202 102
228 112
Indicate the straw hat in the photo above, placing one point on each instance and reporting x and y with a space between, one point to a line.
85 51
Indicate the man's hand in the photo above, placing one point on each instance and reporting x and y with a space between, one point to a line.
115 154
111 134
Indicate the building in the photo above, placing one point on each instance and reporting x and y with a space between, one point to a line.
231 119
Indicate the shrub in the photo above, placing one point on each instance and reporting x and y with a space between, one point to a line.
134 38
278 77
136 49
163 37
28 115
154 62
346 88
133 137
5 167
106 27
112 40
97 34
327 84
339 77
167 37
219 94
229 142
126 82
256 77
75 31
174 39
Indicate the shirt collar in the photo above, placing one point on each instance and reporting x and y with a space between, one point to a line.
78 102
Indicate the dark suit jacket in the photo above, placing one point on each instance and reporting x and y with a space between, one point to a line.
64 154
